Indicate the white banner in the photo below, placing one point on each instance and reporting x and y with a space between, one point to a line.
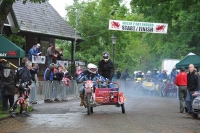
62 63
38 59
138 26
79 63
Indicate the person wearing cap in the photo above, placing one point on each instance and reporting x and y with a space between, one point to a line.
35 51
181 82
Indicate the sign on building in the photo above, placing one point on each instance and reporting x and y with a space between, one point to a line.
138 26
62 63
80 63
38 59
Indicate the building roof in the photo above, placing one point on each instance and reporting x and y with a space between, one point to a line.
42 19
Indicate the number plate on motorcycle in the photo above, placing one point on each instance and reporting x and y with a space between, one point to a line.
149 84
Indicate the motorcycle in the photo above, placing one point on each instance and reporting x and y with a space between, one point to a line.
166 88
148 86
138 84
94 97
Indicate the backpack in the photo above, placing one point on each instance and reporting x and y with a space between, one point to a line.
51 74
18 74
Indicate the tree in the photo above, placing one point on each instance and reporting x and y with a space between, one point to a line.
183 26
93 19
6 6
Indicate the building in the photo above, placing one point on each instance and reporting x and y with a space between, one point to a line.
38 23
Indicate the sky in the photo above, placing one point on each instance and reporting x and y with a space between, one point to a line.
60 6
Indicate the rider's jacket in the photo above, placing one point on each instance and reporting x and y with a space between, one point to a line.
162 76
139 76
86 75
154 76
106 69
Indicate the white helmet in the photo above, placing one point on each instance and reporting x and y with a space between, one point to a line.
148 72
92 68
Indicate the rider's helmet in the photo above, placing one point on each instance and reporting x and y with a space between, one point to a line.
148 72
140 72
165 71
92 68
155 70
106 56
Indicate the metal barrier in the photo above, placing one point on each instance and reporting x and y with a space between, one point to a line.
56 89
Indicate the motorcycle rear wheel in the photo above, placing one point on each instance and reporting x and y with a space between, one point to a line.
88 104
123 108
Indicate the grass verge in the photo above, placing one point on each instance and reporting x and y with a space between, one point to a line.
4 114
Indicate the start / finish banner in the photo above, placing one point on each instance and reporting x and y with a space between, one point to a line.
138 26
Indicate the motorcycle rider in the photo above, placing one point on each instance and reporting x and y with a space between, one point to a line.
173 75
154 74
162 75
148 76
89 74
106 67
139 74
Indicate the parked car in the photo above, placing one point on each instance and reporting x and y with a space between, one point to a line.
196 105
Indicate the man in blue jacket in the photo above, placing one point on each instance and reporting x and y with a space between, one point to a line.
162 75
35 50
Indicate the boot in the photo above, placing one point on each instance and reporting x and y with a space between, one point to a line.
82 99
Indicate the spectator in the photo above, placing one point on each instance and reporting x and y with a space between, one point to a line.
79 71
26 79
1 65
65 70
38 49
66 83
35 51
118 73
173 75
58 76
48 76
8 86
181 82
1 68
192 86
125 74
34 79
196 71
61 54
55 53
50 55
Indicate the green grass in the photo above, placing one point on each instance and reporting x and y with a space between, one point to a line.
4 114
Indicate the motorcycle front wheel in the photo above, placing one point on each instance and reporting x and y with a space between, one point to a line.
163 92
88 104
